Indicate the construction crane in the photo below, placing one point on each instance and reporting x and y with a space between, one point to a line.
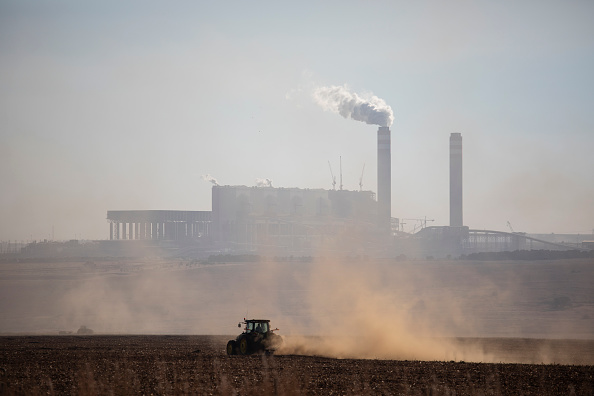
421 223
361 179
333 177
510 227
340 172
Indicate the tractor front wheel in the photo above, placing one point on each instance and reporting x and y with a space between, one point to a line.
231 348
243 346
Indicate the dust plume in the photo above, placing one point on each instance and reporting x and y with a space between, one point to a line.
334 307
358 311
367 108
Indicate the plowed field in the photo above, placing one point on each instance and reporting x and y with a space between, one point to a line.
101 364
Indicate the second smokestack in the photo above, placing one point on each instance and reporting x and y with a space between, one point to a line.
456 219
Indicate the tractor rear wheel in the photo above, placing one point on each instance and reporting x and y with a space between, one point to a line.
243 346
231 347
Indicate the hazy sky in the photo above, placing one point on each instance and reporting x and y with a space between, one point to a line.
125 105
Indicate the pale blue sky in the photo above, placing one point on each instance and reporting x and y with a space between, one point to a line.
124 105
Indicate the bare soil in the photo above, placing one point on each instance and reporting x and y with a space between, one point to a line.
146 364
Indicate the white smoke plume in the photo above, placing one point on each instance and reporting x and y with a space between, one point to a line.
367 108
211 179
263 182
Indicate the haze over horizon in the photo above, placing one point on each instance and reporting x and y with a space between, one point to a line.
124 106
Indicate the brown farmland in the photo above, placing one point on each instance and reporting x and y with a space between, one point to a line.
350 327
90 365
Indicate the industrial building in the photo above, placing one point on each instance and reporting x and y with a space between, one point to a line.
290 219
254 218
298 221
302 221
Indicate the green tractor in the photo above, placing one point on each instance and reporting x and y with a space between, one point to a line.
257 337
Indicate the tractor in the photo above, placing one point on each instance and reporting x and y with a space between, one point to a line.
257 337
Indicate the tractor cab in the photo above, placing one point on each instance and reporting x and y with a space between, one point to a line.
257 326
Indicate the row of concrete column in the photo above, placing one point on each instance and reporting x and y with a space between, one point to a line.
158 230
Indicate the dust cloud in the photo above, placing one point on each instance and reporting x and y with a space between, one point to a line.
354 310
362 311
334 307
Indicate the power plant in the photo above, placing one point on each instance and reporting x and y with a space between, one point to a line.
275 219
280 220
301 221
305 222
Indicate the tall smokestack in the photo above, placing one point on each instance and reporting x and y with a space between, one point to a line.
456 180
372 110
384 178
